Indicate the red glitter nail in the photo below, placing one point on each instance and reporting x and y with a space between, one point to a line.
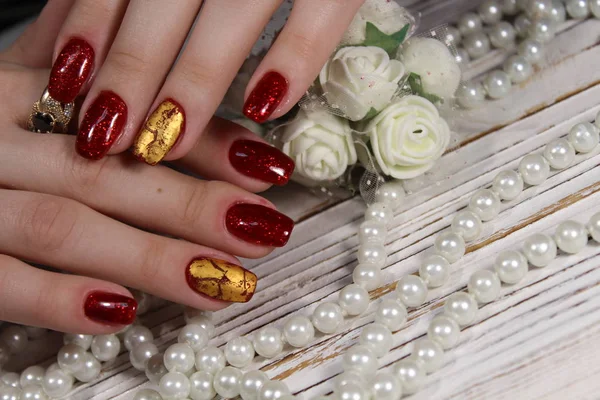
261 161
265 97
71 70
110 308
259 225
101 126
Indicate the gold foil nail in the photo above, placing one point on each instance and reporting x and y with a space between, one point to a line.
160 133
221 280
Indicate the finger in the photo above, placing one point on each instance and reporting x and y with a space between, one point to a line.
34 47
243 156
66 303
200 78
146 46
312 32
65 234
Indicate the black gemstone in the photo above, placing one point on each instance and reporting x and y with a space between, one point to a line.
43 122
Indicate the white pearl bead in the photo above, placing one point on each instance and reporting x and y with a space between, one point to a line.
268 342
70 358
486 204
15 338
497 84
469 23
411 290
346 377
508 185
511 266
352 391
179 357
200 319
378 338
595 7
90 370
429 354
227 382
477 44
155 368
57 383
470 94
461 307
391 313
193 335
33 375
4 355
558 13
143 300
327 317
584 137
537 9
367 276
379 212
147 394
532 50
452 36
201 386
33 392
251 383
53 367
137 335
391 193
410 374
11 379
298 331
571 237
559 153
467 224
593 227
522 25
140 355
354 299
386 387
435 271
450 246
273 390
372 232
518 69
371 253
539 249
577 9
9 393
509 7
444 330
490 11
83 341
361 359
462 57
542 30
105 347
174 385
503 35
534 169
239 352
484 285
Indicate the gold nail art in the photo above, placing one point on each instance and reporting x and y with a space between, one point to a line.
160 133
221 280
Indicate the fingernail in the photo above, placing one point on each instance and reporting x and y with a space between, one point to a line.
110 308
71 70
160 133
102 124
261 161
258 224
221 280
265 97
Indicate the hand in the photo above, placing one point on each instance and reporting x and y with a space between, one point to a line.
93 219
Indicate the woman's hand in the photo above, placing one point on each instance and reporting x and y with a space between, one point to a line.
94 219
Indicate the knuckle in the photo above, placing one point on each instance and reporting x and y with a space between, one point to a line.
151 266
301 45
125 64
48 223
93 10
194 202
82 177
47 303
200 74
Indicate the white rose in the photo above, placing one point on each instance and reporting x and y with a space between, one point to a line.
359 78
433 62
386 15
320 144
407 137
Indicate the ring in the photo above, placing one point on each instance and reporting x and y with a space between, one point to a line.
49 115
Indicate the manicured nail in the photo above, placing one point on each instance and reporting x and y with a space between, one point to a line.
261 161
102 124
110 308
258 224
160 133
71 70
221 280
265 97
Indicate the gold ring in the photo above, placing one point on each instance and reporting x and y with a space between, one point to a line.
49 115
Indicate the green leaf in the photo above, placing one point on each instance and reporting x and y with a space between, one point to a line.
389 43
416 86
372 113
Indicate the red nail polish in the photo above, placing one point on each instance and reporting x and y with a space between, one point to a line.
261 161
71 70
258 224
110 308
265 97
101 126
